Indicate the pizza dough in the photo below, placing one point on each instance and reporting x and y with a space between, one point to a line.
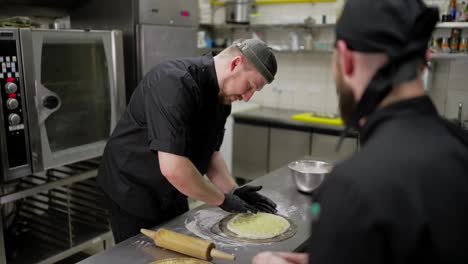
180 261
258 226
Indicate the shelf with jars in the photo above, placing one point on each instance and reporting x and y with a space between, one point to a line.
309 25
450 25
282 38
266 26
301 50
443 47
447 25
450 44
448 56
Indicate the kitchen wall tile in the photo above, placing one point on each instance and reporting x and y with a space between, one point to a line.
438 90
331 98
286 99
332 103
455 97
439 81
458 75
442 66
257 98
456 82
458 67
309 101
270 94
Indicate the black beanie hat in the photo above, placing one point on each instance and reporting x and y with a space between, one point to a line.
399 28
390 26
260 55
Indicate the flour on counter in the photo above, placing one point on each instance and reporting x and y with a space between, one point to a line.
285 207
141 243
202 222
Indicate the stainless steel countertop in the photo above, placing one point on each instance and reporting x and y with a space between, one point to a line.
278 185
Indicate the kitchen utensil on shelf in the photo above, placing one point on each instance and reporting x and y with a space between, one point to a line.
308 174
238 11
294 41
185 244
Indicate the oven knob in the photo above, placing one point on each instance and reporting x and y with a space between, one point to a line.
12 103
11 87
14 119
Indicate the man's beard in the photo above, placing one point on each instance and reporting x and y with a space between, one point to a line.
346 102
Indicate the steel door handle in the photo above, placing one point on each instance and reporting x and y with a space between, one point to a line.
50 102
47 102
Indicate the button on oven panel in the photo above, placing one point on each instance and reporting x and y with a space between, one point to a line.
9 81
12 102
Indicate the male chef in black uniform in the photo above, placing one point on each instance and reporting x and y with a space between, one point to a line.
170 135
403 198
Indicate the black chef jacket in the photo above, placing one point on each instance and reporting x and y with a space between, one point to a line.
402 199
174 109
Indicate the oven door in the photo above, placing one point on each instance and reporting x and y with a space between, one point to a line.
74 92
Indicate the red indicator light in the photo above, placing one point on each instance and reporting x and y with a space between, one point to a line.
10 79
185 13
12 95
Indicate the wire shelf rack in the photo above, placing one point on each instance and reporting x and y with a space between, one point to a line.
52 212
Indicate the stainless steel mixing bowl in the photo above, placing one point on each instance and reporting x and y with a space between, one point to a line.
309 174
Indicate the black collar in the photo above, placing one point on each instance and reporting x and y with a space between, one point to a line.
207 73
420 105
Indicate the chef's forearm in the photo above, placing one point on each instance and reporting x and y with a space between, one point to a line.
185 177
218 173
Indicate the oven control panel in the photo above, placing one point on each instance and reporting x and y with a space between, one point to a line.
13 109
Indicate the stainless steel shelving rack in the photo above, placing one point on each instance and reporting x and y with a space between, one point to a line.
267 26
52 215
446 27
229 29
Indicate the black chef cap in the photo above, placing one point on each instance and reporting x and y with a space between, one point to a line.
399 28
260 55
394 27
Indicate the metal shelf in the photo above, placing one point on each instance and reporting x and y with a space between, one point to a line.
303 51
266 26
216 50
55 215
310 26
448 56
35 251
452 25
53 178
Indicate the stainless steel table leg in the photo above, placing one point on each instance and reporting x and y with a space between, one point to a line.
2 240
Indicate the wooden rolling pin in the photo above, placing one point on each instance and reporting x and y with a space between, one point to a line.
188 245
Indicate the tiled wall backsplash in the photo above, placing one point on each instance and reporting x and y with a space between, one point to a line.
450 87
304 80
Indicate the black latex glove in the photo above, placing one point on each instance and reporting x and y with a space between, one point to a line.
232 203
249 193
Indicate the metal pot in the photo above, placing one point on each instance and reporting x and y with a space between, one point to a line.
309 174
238 11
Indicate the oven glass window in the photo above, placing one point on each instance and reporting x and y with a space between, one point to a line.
78 74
